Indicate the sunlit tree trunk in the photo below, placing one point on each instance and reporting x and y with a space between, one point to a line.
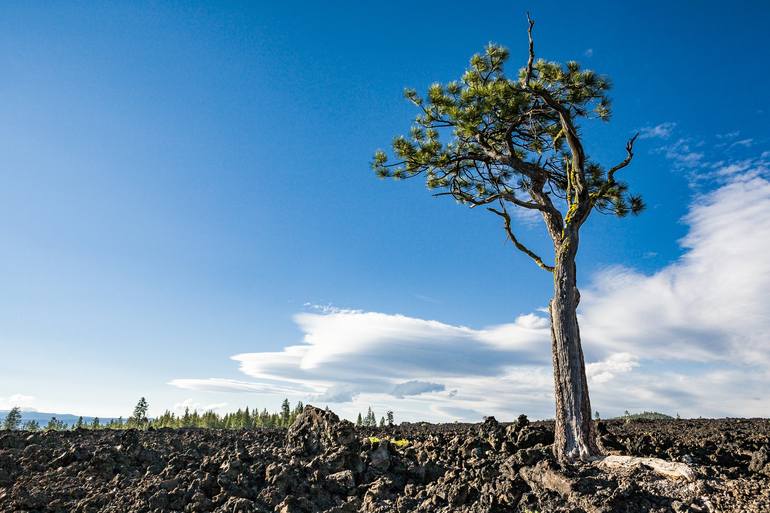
575 437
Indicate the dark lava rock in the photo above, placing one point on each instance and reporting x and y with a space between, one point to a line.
341 482
324 464
530 436
606 439
379 458
316 430
760 461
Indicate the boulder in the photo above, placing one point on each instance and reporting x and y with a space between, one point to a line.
760 461
316 431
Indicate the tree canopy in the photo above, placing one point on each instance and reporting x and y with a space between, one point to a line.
501 142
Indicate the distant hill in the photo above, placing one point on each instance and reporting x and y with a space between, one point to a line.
646 415
42 418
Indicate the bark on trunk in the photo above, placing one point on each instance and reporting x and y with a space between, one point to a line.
575 437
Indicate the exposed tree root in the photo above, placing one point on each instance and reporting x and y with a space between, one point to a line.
670 469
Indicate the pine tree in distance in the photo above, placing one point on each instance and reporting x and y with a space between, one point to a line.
12 420
31 425
502 144
139 417
370 420
285 412
55 424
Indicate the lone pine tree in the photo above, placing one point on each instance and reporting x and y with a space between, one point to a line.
285 412
503 143
139 418
12 421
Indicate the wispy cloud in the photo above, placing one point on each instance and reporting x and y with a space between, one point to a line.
190 404
661 131
707 164
427 299
683 154
746 143
234 385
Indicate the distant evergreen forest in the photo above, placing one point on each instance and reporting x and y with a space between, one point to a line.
241 419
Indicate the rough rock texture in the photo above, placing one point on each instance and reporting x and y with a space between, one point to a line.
322 464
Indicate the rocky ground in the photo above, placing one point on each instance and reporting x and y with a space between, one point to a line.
323 464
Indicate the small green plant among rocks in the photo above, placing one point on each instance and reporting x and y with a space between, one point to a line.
398 442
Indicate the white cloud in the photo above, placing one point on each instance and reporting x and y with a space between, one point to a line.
358 352
690 338
661 131
733 168
605 370
415 387
746 143
589 53
230 385
180 407
23 401
682 154
368 357
708 306
696 158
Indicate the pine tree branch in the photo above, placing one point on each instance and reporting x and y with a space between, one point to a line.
531 60
611 173
538 176
610 181
554 221
571 135
576 176
529 169
491 152
505 196
521 247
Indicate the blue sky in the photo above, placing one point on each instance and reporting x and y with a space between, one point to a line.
183 182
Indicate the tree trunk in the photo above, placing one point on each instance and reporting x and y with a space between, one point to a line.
575 437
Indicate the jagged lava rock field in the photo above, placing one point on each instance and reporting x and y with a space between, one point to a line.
322 464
